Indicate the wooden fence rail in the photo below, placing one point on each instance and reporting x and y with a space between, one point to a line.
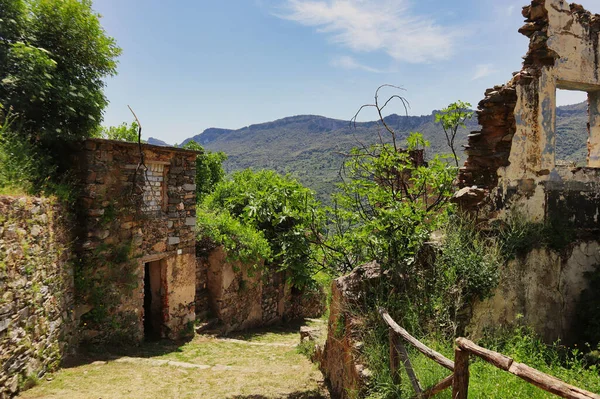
459 379
399 353
460 386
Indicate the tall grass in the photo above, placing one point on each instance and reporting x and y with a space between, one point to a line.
486 381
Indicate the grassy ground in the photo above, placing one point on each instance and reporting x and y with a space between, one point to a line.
487 381
256 365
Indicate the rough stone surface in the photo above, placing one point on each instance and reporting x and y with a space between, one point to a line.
340 358
142 214
511 168
246 296
542 284
36 290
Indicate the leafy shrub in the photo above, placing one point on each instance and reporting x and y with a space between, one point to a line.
277 208
389 204
469 263
123 132
54 58
241 242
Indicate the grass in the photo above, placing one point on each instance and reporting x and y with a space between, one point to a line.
487 381
259 365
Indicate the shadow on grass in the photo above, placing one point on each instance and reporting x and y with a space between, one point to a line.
93 353
292 327
294 395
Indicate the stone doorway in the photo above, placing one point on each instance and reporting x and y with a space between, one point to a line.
153 300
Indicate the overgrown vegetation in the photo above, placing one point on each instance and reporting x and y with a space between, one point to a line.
209 169
263 215
123 132
54 57
486 381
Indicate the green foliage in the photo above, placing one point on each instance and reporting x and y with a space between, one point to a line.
466 268
209 169
453 118
277 207
518 235
486 381
16 158
26 167
123 132
242 242
388 206
307 348
54 57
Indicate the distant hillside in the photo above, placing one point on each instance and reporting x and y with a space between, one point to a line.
310 147
571 133
154 141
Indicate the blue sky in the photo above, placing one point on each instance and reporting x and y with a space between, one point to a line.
188 65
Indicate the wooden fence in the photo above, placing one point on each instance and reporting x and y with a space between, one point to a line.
459 379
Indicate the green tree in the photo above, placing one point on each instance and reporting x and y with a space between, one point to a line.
453 118
123 132
54 57
390 202
280 209
209 169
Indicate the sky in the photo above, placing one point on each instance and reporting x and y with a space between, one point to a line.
188 65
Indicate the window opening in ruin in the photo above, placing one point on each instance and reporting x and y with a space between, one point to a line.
154 187
571 148
153 319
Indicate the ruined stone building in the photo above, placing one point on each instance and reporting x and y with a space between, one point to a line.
137 266
511 170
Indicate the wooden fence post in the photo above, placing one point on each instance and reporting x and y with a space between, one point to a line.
394 358
460 385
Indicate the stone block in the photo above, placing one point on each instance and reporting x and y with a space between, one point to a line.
173 240
189 187
190 221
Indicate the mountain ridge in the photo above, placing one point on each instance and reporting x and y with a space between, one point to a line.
311 147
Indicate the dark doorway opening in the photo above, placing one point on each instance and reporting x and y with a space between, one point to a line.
153 318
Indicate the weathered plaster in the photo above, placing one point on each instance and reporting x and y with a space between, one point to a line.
543 285
543 288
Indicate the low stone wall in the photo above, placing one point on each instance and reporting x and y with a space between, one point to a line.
339 360
244 296
36 291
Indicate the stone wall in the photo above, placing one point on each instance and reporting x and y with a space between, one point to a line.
244 296
135 216
36 291
511 161
542 287
511 170
340 358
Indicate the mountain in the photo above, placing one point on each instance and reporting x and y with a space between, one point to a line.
154 141
571 133
311 147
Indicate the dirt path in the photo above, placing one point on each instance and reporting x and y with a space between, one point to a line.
256 365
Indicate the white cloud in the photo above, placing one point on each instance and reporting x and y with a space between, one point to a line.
347 62
483 70
376 25
510 10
